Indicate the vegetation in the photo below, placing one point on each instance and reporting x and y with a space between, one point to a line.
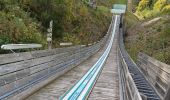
146 35
16 26
26 21
74 21
130 20
152 8
121 1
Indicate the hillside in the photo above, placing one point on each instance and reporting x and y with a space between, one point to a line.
150 32
16 26
26 21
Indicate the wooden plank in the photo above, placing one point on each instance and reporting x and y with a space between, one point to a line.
23 69
8 78
158 73
63 83
17 75
107 85
13 67
155 62
42 53
10 58
8 68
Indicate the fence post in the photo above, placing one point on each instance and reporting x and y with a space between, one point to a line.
167 96
49 35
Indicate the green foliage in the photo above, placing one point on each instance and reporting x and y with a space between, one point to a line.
103 9
155 43
16 26
166 9
153 39
121 1
152 8
143 4
72 17
26 21
83 11
130 19
159 5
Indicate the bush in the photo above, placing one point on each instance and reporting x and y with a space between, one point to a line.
149 8
159 5
143 4
17 27
166 9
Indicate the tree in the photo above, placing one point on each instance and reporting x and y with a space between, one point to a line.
159 5
166 9
142 5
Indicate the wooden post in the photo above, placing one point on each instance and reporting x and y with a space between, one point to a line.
167 96
49 35
129 5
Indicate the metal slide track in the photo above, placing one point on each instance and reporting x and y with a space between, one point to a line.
142 84
82 88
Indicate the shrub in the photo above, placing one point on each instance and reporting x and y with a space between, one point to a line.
142 5
159 5
166 9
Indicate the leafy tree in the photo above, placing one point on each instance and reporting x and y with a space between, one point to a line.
142 5
159 5
166 9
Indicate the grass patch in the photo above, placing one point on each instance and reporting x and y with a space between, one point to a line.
121 1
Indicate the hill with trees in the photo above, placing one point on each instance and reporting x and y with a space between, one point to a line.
26 21
148 29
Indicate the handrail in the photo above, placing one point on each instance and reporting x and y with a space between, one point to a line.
129 90
20 46
157 74
12 47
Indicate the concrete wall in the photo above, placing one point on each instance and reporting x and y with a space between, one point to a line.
157 73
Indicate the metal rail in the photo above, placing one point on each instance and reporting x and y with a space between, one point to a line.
83 87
